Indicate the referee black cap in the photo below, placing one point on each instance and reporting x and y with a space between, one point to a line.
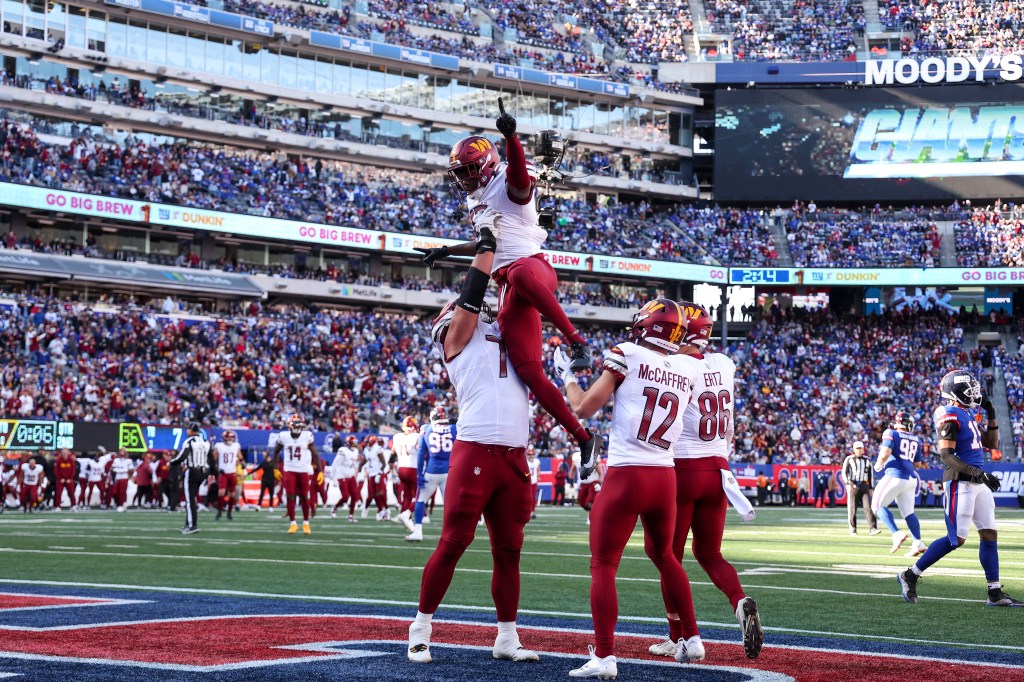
195 426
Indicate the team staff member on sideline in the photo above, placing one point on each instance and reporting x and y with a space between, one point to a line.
652 387
196 460
858 474
488 473
267 479
65 470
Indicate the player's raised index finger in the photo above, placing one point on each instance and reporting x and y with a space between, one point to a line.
501 106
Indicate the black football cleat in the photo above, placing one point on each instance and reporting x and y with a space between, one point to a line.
590 454
996 597
750 623
908 585
581 357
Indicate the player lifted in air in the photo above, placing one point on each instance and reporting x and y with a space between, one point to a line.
968 491
435 449
403 445
896 457
703 484
652 386
228 453
488 473
296 450
501 198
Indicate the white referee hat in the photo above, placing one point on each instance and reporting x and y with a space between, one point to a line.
858 444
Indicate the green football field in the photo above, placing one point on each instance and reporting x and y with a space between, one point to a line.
806 572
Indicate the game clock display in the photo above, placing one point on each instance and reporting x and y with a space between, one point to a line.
30 434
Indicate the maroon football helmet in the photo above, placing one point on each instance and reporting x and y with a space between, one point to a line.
472 163
698 324
660 322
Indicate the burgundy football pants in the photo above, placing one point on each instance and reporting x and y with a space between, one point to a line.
407 485
629 492
526 290
492 480
701 505
297 483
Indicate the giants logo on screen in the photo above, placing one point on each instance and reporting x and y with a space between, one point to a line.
939 142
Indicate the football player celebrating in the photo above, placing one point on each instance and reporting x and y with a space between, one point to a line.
968 487
701 458
373 464
434 452
228 453
343 470
299 454
501 198
896 457
488 473
404 447
652 386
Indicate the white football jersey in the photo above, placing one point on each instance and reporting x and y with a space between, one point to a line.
404 445
516 227
653 392
95 471
708 419
345 463
227 456
298 458
30 474
120 468
100 470
493 405
534 465
84 468
372 454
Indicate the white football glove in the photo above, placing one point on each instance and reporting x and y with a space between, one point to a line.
487 218
562 370
749 516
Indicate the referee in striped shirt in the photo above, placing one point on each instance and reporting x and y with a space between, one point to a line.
859 475
196 460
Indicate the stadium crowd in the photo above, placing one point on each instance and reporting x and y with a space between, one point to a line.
991 237
810 383
841 238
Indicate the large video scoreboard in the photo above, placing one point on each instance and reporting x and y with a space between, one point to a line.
870 144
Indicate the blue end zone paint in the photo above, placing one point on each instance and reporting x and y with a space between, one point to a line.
163 605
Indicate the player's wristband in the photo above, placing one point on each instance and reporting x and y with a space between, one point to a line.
473 289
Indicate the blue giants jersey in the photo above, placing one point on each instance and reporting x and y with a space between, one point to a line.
436 446
905 450
968 441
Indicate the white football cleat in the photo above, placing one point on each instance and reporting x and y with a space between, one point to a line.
898 539
334 514
690 650
364 513
509 648
916 549
601 668
426 518
419 642
666 648
415 536
406 519
121 508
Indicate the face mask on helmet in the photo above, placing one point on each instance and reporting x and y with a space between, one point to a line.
961 387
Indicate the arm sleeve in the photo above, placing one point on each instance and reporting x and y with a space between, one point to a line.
211 459
422 454
846 469
518 177
183 453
